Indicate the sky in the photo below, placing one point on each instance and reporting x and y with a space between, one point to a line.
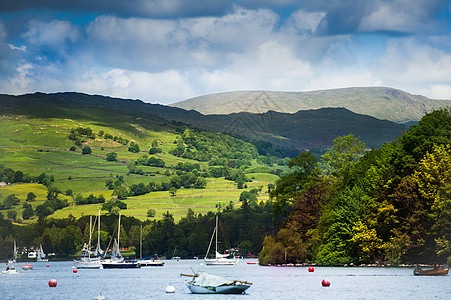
165 51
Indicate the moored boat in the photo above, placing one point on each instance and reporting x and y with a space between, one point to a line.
437 271
9 270
41 255
87 261
117 261
205 283
219 259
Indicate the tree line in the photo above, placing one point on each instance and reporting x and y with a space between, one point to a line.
389 206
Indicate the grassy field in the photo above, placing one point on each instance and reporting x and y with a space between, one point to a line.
40 145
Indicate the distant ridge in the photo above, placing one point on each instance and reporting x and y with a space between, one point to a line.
380 102
304 130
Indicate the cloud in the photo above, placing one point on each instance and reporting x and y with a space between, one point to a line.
275 45
401 16
130 8
416 66
54 34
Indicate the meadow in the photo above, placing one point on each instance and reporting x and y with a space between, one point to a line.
41 145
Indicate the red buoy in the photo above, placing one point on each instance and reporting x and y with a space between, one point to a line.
48 266
52 283
325 282
311 269
74 270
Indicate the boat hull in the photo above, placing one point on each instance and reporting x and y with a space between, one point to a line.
220 262
88 265
227 289
121 265
431 272
150 263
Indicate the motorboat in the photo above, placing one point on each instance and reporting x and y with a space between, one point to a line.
436 271
9 270
205 283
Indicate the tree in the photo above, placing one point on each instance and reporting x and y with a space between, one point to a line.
27 213
12 214
346 150
172 191
151 213
133 147
86 150
112 156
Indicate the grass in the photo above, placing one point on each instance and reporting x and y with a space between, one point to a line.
36 145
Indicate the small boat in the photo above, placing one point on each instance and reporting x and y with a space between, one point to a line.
117 261
146 261
13 260
219 259
27 267
205 283
87 261
252 262
41 255
9 270
437 271
150 263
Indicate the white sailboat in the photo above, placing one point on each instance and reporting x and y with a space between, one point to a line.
14 259
117 261
41 254
86 261
219 259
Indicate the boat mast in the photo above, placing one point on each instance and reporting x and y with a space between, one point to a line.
98 237
118 231
90 235
141 243
216 229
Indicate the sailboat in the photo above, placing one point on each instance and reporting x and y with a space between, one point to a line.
13 260
117 261
86 261
41 254
146 261
219 259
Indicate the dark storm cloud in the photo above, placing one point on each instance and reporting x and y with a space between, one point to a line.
127 8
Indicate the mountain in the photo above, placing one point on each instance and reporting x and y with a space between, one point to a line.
379 102
300 131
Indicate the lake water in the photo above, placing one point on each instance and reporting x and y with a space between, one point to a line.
268 282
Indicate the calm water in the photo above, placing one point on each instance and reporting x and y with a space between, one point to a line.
268 282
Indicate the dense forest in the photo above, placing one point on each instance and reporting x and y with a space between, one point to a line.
352 205
243 228
389 206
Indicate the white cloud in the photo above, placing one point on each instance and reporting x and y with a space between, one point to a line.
416 67
54 33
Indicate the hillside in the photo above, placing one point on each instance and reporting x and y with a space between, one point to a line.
380 102
304 130
42 149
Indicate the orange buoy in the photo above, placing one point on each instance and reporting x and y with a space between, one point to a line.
52 283
325 283
311 269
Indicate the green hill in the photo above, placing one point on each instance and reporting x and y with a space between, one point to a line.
380 102
39 130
